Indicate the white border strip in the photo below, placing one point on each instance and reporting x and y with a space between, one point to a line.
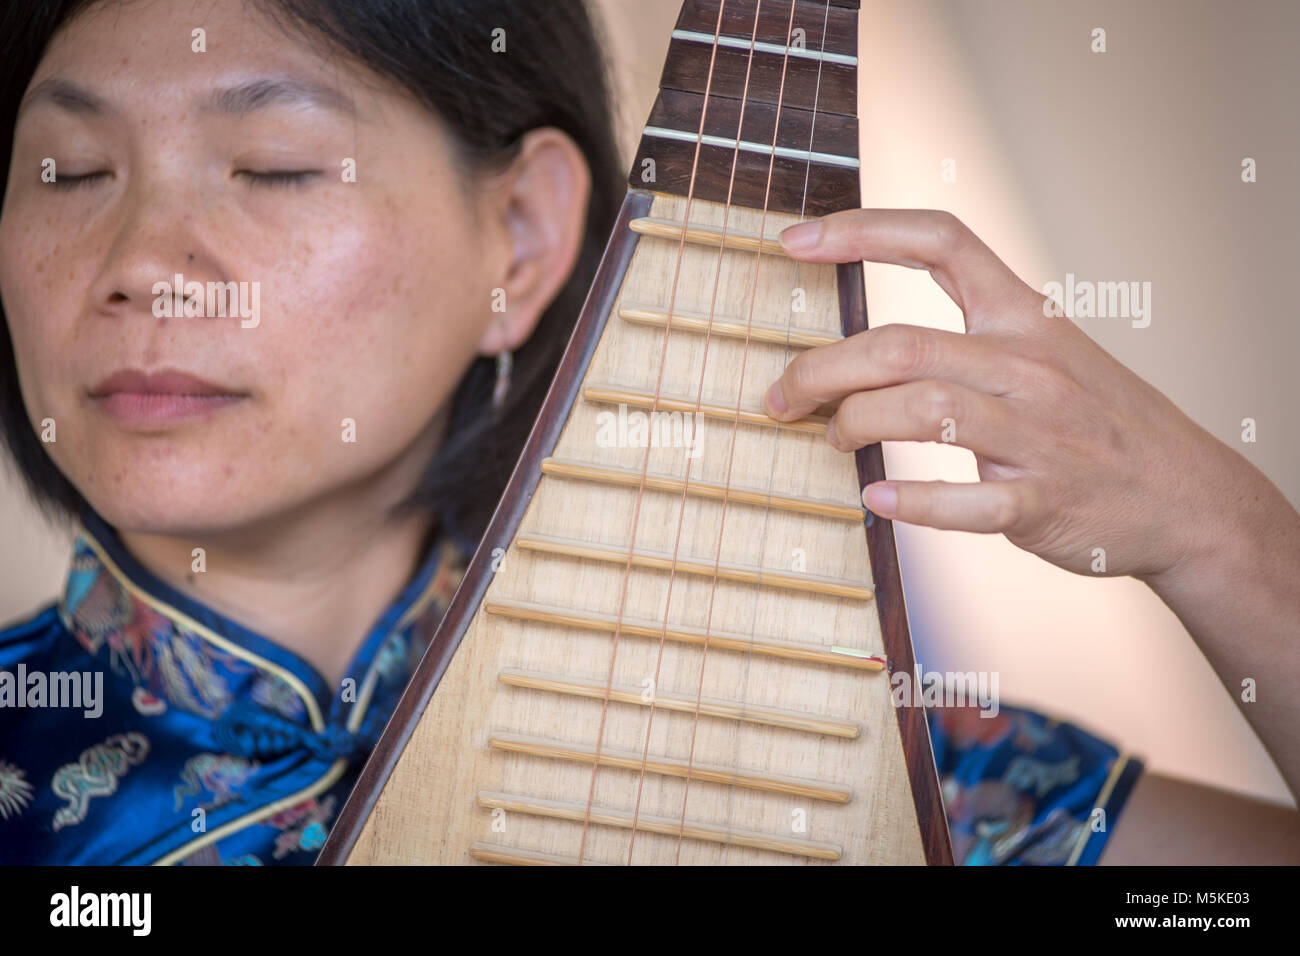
740 43
826 159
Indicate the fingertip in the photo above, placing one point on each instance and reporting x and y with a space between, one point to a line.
775 402
802 237
881 498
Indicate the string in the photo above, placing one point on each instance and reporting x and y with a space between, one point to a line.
758 259
645 461
785 360
699 401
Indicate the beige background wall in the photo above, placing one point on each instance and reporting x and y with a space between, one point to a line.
1116 166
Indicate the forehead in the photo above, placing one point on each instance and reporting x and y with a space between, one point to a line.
218 57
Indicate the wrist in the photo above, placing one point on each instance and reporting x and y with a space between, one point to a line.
1246 530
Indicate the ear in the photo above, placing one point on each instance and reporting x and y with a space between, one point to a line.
540 208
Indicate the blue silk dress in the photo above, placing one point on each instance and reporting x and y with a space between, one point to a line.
213 745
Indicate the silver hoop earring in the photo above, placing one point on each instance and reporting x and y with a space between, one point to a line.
505 364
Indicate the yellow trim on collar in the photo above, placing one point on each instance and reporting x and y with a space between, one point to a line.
447 554
336 769
313 708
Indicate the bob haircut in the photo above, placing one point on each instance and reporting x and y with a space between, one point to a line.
440 52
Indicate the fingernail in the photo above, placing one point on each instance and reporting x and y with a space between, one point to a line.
776 405
831 437
880 498
802 237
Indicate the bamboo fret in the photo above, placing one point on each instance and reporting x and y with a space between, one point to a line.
671 767
490 853
660 561
683 704
604 816
732 328
626 476
708 236
814 424
835 655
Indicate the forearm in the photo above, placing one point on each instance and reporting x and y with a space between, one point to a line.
1176 822
1237 591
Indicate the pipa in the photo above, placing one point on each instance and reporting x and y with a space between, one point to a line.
675 642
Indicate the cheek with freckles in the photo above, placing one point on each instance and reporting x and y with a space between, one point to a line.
40 308
385 320
38 283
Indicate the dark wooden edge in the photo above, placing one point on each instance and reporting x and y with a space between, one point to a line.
912 724
501 530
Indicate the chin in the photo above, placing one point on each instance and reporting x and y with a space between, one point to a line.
168 497
154 486
148 510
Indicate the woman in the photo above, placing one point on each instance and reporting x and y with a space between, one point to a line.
277 498
280 470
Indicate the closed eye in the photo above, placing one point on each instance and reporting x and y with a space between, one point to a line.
279 178
74 182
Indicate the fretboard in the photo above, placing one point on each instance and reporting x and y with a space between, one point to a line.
797 81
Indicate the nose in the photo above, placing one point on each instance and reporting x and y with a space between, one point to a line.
157 250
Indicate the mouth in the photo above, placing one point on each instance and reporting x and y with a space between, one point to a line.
141 400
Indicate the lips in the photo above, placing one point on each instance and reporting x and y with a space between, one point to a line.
157 401
166 382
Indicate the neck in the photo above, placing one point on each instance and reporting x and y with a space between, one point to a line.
314 580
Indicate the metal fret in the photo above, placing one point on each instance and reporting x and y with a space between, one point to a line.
784 152
761 46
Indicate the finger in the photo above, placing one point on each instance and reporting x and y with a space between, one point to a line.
889 355
985 507
923 411
968 270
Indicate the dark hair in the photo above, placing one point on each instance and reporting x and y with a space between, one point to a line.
440 51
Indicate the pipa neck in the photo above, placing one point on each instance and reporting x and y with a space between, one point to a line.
745 80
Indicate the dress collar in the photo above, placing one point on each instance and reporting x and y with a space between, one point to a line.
169 641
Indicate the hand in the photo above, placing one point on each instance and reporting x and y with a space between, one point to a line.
1075 452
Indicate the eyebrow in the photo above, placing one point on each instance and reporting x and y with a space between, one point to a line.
66 95
267 91
238 100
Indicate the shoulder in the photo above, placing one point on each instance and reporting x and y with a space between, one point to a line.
31 636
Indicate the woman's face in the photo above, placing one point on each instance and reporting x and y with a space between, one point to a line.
362 301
